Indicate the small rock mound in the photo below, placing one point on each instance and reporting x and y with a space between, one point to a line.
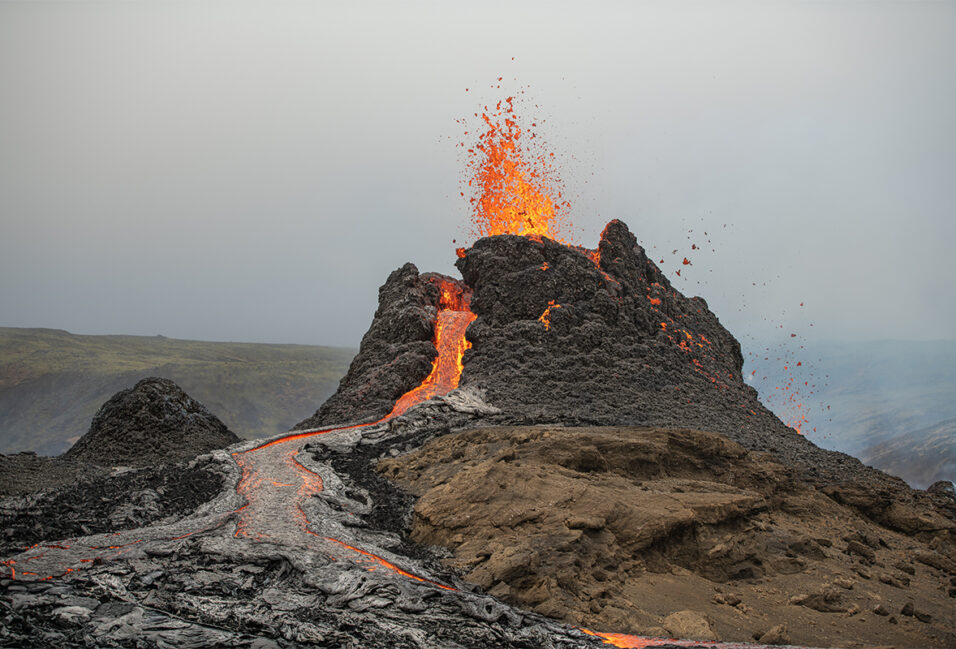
154 422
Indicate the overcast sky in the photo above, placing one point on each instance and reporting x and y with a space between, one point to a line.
253 171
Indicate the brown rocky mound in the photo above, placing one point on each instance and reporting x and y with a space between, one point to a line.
660 531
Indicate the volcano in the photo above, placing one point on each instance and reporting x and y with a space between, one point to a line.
557 450
573 336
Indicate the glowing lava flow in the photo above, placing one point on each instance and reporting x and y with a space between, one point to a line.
446 370
276 485
637 642
625 641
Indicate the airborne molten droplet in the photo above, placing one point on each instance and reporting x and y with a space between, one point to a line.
515 185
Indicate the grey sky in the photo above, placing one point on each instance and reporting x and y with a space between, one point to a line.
253 171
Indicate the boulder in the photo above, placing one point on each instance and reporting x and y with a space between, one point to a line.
691 625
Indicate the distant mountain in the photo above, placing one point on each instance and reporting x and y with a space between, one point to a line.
52 382
890 402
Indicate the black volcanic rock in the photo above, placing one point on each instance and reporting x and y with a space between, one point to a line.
97 502
623 347
154 422
396 353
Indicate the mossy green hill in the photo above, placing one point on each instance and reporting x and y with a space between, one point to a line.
52 382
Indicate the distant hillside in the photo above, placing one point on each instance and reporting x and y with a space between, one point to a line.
52 382
887 402
922 457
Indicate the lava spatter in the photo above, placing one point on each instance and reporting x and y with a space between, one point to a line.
512 180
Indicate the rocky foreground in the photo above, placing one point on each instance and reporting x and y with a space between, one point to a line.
619 528
500 537
190 578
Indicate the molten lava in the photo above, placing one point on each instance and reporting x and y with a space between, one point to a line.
446 369
516 186
625 641
546 316
273 480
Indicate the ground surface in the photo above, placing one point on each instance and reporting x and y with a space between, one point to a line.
77 501
616 528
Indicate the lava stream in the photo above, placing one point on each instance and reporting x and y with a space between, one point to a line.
625 641
276 485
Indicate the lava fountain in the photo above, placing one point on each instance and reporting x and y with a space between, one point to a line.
515 187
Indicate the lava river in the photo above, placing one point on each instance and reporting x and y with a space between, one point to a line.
276 485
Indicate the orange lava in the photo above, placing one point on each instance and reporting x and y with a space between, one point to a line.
388 564
638 642
546 316
454 316
447 367
515 185
627 641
